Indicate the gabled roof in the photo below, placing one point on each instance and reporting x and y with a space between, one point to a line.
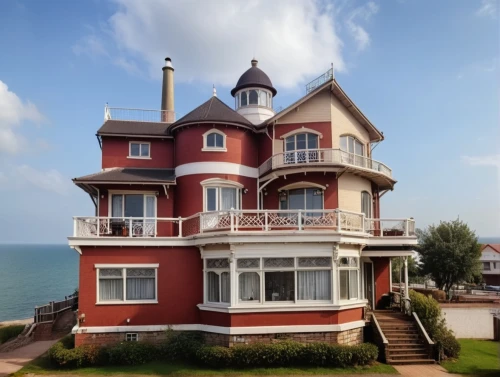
129 175
214 110
133 128
494 246
333 85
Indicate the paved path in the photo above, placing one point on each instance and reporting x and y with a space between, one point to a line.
428 370
12 361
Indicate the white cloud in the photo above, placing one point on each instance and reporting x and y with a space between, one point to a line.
214 41
488 8
491 160
353 23
50 180
13 112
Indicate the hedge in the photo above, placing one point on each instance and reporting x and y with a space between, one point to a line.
429 313
190 348
9 332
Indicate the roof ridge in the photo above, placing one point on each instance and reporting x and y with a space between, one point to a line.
209 107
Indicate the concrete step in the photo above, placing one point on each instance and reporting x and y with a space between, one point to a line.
410 362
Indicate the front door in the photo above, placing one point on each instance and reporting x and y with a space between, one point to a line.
368 283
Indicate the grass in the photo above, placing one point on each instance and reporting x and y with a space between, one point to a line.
9 332
42 366
477 357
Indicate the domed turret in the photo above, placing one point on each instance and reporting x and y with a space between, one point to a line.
254 94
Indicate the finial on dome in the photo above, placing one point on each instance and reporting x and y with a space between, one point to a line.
214 91
254 62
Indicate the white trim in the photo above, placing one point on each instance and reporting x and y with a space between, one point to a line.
302 130
220 182
128 302
267 307
216 168
206 148
387 253
77 249
128 265
224 330
303 184
141 136
148 157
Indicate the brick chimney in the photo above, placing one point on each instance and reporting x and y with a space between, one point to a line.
167 92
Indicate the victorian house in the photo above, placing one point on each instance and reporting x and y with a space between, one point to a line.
240 222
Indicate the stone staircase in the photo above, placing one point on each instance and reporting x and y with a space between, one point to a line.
405 344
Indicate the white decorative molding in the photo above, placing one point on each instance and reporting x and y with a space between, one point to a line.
216 168
283 308
302 130
222 330
302 184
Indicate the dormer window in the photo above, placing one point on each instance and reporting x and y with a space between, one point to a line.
139 150
214 141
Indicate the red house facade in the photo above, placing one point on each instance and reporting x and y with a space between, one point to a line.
245 224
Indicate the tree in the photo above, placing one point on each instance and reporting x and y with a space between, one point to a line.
414 273
449 253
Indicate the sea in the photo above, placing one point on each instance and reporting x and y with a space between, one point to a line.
32 275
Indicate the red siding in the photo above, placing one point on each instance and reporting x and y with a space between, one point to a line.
281 318
115 151
271 200
241 146
192 191
382 277
180 286
265 146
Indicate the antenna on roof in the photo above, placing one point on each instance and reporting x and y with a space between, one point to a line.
214 91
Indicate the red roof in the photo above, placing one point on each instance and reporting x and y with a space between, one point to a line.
494 246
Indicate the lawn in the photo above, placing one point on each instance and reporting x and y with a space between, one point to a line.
477 357
41 366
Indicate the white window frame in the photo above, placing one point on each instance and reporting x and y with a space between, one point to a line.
124 267
206 148
219 272
268 105
131 337
355 139
123 193
148 157
287 188
219 183
349 268
370 201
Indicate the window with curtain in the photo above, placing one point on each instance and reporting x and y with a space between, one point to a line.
304 198
301 148
222 198
218 283
348 278
366 204
315 281
138 284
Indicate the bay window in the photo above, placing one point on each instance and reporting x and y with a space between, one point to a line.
217 278
348 278
118 284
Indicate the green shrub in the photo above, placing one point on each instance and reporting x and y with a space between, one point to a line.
62 356
181 346
131 353
281 353
446 344
215 356
364 354
9 332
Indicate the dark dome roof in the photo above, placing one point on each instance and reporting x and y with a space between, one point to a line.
254 77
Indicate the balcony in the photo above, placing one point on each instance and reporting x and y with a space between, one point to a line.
138 115
314 159
244 221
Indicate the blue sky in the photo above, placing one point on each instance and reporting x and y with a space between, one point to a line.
424 72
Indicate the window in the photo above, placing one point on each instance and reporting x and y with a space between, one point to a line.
139 150
218 283
132 337
263 98
253 97
127 284
278 277
139 206
301 148
303 198
244 101
486 266
222 198
352 145
366 204
214 140
348 276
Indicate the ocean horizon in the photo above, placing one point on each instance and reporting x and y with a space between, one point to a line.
34 274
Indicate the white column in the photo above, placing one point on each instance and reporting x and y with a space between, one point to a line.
407 293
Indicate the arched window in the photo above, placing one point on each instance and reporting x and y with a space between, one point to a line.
253 97
263 98
214 140
301 148
352 145
366 204
244 100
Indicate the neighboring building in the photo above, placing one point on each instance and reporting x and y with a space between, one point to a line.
490 261
245 224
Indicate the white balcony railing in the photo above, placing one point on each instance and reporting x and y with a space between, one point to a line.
139 115
322 157
339 221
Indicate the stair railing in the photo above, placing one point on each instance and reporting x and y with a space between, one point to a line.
429 344
399 301
380 338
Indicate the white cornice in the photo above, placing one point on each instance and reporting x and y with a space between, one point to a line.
209 167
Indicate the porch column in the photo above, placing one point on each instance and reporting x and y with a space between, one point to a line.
407 293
